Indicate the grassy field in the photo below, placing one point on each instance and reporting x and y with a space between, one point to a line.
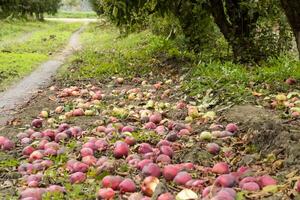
15 28
17 58
69 14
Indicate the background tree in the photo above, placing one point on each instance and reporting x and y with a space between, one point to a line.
24 8
254 30
238 25
292 11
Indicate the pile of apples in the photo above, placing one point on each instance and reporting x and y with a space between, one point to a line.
154 163
290 101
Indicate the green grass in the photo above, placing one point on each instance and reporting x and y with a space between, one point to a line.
47 40
70 14
17 59
12 29
233 82
106 53
15 65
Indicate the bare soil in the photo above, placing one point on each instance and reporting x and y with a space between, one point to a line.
268 132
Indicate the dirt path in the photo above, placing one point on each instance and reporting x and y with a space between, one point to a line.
23 91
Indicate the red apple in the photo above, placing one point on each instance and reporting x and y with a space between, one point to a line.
291 81
220 168
86 152
226 180
105 194
164 159
167 150
163 143
101 145
166 196
37 123
151 170
112 182
127 129
266 180
213 148
231 127
145 148
61 137
78 112
36 155
127 185
8 145
297 186
170 171
79 167
89 160
56 188
28 150
143 163
155 118
182 178
50 152
77 177
251 186
34 193
130 141
121 149
150 126
246 180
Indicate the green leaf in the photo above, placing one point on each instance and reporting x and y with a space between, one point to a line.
240 196
270 188
292 94
152 4
115 11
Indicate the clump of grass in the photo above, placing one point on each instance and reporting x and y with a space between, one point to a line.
8 162
236 82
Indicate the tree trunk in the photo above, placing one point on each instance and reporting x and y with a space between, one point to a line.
237 25
42 17
292 12
297 35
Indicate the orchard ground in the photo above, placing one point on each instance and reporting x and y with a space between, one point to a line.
118 81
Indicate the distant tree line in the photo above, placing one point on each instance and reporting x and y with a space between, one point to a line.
28 8
254 30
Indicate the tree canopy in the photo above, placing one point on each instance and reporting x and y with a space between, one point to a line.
24 8
254 30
